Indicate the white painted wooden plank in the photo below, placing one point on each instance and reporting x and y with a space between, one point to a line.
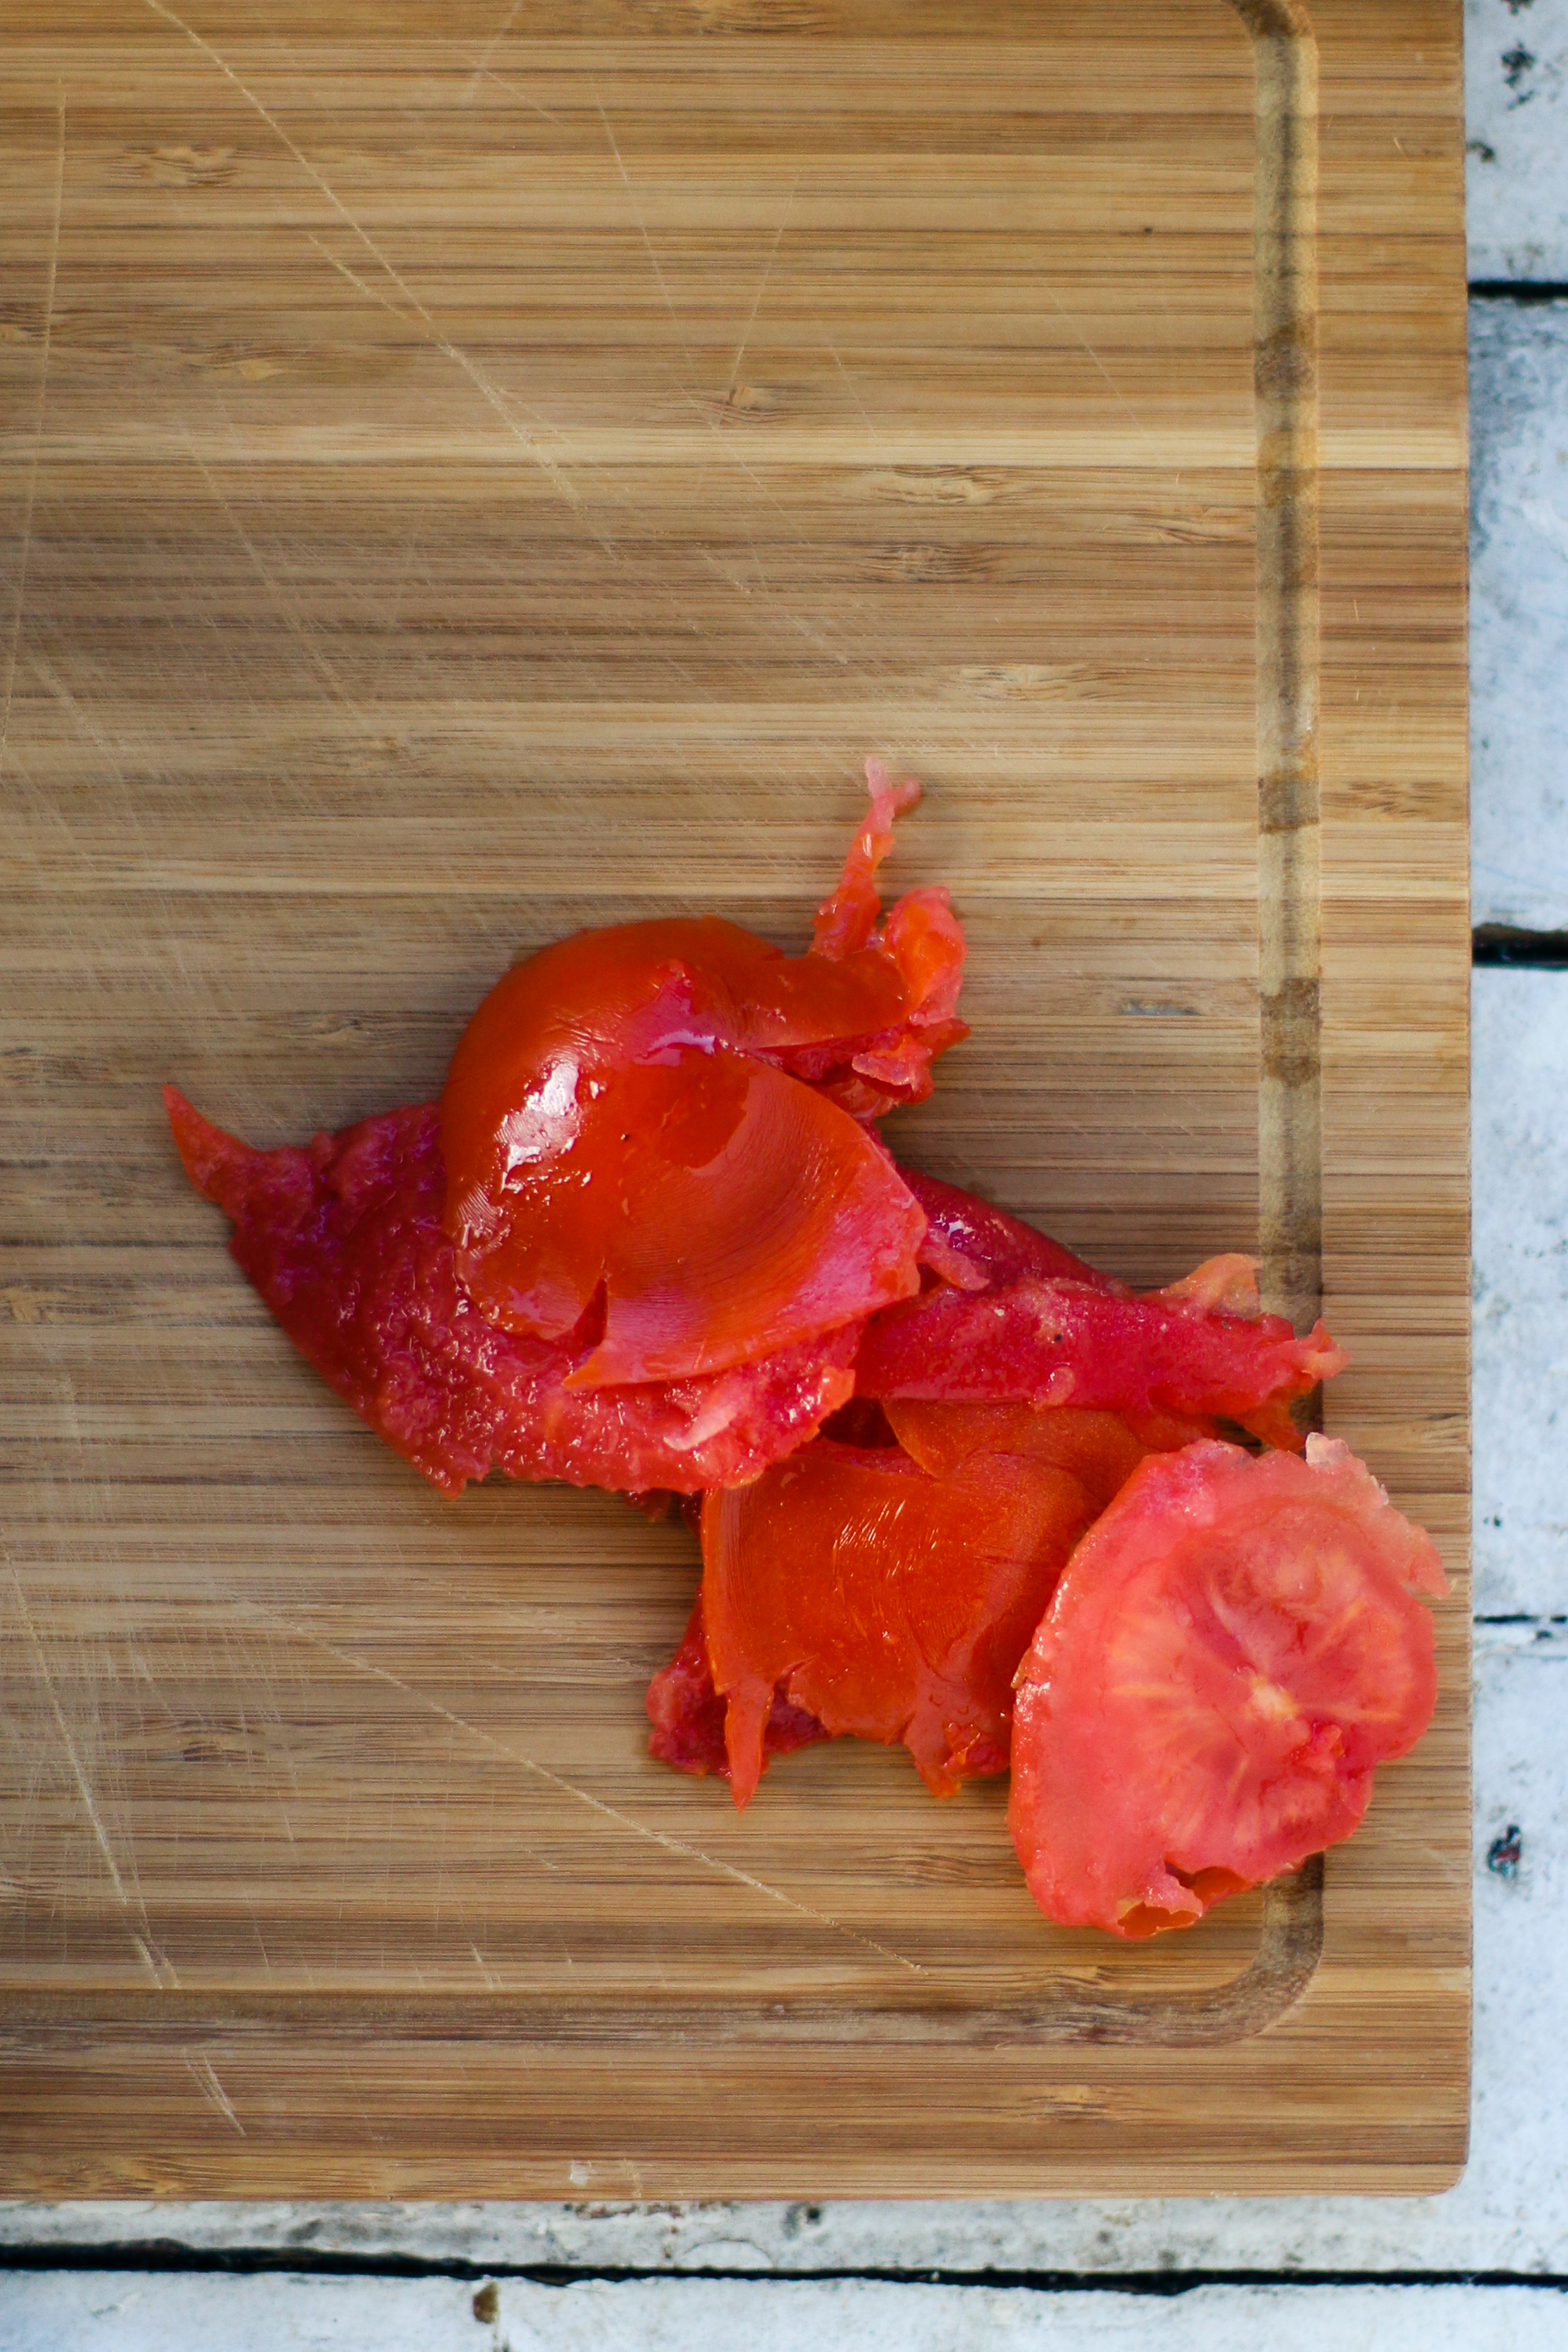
1519 609
130 2312
1509 2213
1521 1251
1516 119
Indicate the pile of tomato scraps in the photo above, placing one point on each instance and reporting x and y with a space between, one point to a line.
636 1243
1191 1657
650 1239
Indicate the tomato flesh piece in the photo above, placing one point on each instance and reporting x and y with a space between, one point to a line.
890 1591
343 1239
1232 1649
669 1116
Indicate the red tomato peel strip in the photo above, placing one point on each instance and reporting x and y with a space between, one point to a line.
1232 1649
974 1246
1100 1450
1051 1341
342 1238
847 917
669 1116
889 1592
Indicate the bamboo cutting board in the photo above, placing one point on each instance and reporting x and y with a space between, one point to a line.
474 471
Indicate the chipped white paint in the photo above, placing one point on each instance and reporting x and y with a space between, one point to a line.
1519 609
123 2312
1516 125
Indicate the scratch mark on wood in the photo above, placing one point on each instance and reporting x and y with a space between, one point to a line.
482 67
144 1954
488 73
53 684
762 285
557 1780
641 226
288 611
490 392
877 444
133 1902
205 2076
40 1667
37 425
1111 385
502 403
710 424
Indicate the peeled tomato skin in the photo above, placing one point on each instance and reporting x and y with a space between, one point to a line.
1099 1449
1231 1651
853 1584
889 1591
1055 1341
672 1117
976 1246
342 1237
796 1224
847 916
686 1714
725 1208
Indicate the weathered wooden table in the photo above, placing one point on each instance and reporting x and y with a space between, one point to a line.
1484 2264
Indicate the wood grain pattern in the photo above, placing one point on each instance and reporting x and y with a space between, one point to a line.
472 474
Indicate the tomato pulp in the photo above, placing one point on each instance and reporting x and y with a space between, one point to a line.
343 1239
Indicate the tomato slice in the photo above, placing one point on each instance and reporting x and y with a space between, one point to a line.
1198 1349
890 1591
668 1116
344 1240
1231 1650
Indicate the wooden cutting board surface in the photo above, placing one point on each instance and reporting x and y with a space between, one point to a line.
473 471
